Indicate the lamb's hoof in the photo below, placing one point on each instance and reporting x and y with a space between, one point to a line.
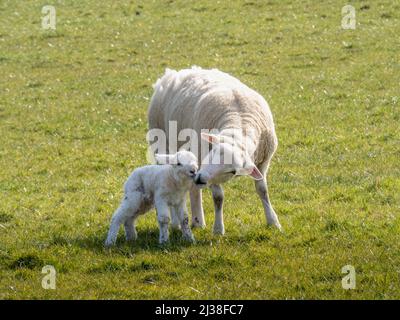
131 240
108 244
189 238
275 225
176 227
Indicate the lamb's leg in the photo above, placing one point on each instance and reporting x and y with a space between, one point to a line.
163 219
184 220
130 230
262 190
118 218
197 208
175 220
218 198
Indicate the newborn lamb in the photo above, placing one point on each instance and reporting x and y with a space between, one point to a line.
161 186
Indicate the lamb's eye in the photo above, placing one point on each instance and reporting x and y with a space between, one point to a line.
233 172
179 164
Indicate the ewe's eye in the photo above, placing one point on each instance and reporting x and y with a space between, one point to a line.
233 172
179 164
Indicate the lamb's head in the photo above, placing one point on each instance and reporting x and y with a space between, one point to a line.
184 162
226 160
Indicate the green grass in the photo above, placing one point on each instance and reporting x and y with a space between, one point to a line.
73 108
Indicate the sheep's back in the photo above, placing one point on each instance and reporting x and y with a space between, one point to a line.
210 99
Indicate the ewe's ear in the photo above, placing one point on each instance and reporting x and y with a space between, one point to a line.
211 138
256 174
251 171
165 158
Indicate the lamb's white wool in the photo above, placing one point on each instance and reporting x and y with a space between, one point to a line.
162 186
210 99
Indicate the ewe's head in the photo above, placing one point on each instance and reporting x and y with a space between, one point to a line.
183 162
228 158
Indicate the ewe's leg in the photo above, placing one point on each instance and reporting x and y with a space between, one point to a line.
218 198
261 187
130 230
197 208
163 219
184 220
118 218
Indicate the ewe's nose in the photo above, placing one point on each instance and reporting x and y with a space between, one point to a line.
199 180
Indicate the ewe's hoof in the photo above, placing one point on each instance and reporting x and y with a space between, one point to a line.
196 223
219 230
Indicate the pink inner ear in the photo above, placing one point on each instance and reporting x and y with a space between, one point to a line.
209 138
256 174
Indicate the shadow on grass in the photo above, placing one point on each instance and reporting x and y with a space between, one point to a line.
147 241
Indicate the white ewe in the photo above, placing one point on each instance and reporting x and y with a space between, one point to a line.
161 186
210 99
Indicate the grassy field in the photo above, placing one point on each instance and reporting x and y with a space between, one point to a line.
73 106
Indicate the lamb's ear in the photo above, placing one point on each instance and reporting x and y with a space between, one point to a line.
165 158
211 138
251 171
